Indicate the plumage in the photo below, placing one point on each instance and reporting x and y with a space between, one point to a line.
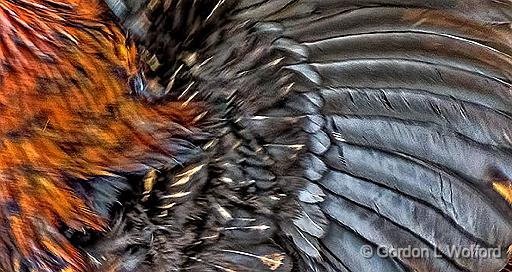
66 116
250 135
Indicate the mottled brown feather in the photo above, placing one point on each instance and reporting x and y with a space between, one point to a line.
66 110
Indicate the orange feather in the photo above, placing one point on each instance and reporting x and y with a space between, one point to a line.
66 110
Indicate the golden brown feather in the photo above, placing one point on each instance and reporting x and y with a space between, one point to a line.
66 111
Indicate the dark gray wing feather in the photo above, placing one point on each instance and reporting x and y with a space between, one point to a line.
408 111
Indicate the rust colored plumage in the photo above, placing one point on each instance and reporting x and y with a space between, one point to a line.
66 111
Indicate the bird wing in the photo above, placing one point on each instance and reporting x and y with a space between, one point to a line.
346 132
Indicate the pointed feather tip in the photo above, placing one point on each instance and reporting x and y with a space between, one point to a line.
504 188
501 183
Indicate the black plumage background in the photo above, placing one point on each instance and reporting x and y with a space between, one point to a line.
362 122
